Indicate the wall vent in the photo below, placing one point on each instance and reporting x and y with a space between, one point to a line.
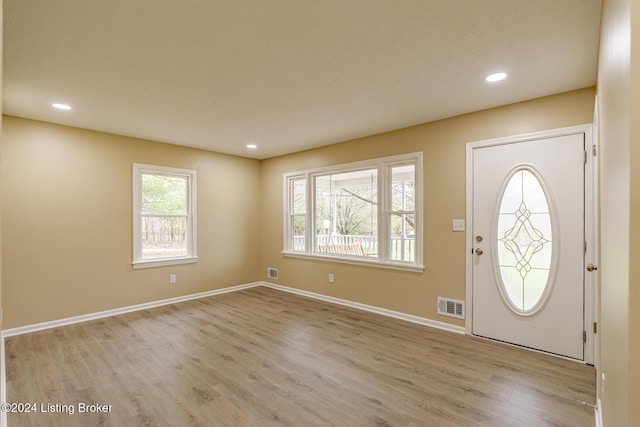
272 273
451 307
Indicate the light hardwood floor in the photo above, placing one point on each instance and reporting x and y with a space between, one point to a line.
262 357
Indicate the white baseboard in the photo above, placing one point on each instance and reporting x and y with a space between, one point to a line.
373 309
108 313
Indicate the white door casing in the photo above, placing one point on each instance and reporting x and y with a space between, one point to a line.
552 320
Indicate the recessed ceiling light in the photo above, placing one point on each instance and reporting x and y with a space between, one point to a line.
496 77
252 146
61 106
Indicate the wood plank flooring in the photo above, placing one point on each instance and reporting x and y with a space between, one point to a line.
262 357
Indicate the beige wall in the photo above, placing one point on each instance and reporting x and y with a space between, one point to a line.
443 145
1 94
619 113
634 228
2 379
67 221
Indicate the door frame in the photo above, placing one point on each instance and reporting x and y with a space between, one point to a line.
591 222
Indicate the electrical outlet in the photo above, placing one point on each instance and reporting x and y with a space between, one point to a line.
330 277
172 279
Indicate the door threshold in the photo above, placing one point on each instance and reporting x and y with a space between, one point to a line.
559 356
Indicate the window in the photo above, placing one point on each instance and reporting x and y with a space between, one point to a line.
298 203
402 215
525 242
346 213
164 217
365 213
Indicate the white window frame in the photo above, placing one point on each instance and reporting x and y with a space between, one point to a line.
140 169
383 166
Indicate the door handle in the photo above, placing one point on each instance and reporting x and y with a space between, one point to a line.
479 251
591 267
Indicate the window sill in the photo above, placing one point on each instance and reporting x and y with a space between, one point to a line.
163 262
357 261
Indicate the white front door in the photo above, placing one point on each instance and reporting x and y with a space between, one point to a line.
528 246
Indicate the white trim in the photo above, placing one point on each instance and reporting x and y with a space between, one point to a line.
590 219
145 306
191 176
549 133
108 313
598 413
372 309
468 323
358 261
592 230
161 262
591 233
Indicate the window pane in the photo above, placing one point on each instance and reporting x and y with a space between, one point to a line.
298 228
298 196
163 236
403 194
534 286
403 237
298 209
512 196
346 217
164 195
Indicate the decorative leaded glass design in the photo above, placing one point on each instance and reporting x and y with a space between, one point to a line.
524 240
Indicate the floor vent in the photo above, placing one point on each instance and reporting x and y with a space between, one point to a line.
272 273
451 307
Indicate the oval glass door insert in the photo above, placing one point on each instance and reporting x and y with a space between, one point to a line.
524 242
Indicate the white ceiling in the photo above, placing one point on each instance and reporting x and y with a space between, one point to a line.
287 75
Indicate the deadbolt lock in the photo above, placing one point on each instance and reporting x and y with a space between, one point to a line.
478 239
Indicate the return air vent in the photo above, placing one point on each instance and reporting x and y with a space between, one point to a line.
272 273
451 307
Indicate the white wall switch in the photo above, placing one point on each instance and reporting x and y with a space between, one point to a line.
172 279
330 277
458 225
